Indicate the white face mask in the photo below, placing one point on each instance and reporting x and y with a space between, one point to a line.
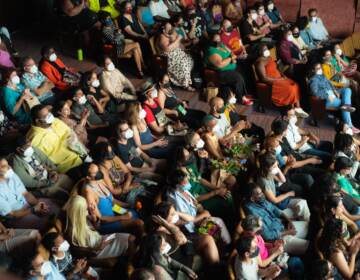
175 219
200 144
293 120
271 7
82 100
290 37
45 268
15 80
95 83
339 52
2 116
278 150
349 131
110 67
232 100
64 247
9 173
29 152
129 133
166 249
266 53
49 118
53 57
319 72
314 19
254 16
142 114
275 170
33 69
154 93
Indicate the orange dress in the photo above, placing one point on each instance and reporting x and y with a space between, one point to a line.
284 92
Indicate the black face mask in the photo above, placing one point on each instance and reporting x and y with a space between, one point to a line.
229 29
255 254
99 176
110 155
296 35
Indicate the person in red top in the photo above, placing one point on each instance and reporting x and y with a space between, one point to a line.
56 71
230 36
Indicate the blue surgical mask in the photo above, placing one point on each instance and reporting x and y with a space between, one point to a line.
278 150
108 21
186 187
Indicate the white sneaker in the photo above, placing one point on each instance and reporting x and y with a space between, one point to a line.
301 113
88 159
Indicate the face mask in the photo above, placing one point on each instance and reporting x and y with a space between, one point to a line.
274 170
28 152
95 83
49 118
15 80
262 12
9 173
108 21
2 117
52 57
142 114
110 67
271 7
45 268
186 187
254 16
314 19
296 35
339 52
293 120
349 131
64 247
99 176
129 134
200 144
166 249
319 72
110 155
175 219
266 53
229 29
232 100
278 150
154 93
221 110
290 38
82 100
255 253
33 69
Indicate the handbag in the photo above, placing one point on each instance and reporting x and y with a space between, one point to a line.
31 102
210 92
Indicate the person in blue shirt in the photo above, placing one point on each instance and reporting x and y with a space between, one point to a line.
276 224
340 98
317 29
273 13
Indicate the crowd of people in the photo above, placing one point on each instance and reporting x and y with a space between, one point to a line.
100 179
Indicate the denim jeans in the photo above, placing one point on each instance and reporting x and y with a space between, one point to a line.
345 100
296 268
323 151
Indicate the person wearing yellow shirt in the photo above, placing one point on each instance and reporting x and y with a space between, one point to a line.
51 136
336 78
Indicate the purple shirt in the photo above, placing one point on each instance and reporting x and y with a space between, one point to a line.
5 59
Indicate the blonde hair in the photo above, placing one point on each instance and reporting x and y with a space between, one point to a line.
76 223
132 113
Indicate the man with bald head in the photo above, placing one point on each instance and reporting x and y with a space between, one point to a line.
223 129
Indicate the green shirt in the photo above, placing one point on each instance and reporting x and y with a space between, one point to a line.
346 186
335 63
224 54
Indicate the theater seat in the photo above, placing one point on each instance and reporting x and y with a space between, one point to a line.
110 51
319 110
263 92
211 77
159 61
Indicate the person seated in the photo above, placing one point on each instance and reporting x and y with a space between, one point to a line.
113 36
9 132
233 11
264 22
117 176
7 41
218 57
51 136
298 40
178 23
6 60
322 88
56 71
292 232
273 13
59 250
81 233
175 107
284 91
159 10
133 157
33 79
195 24
212 142
14 97
116 84
38 172
247 263
305 142
179 63
154 147
333 247
304 27
146 17
230 37
317 30
101 203
36 267
324 270
155 116
203 11
18 207
271 252
154 251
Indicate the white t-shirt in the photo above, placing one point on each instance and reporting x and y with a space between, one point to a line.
294 137
223 125
159 9
247 271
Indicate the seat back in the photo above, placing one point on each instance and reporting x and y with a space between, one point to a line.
273 53
348 47
263 91
318 108
231 264
356 40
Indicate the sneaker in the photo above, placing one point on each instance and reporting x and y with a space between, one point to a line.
347 108
355 130
247 102
301 113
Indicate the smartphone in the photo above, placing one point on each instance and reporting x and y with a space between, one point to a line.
119 210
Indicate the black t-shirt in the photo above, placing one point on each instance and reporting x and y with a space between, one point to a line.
350 204
135 25
128 153
246 30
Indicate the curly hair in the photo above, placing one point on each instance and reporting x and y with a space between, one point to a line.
331 237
